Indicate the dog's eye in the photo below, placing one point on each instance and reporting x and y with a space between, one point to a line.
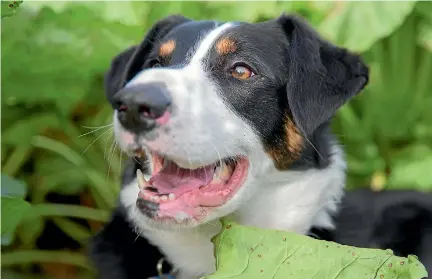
155 63
242 72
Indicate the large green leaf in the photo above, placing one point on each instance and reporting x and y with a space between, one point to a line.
358 25
249 253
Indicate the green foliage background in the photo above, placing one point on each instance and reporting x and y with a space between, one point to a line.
55 138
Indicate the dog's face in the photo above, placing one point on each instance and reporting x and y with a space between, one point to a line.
217 107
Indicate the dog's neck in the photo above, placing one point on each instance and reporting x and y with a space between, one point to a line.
296 200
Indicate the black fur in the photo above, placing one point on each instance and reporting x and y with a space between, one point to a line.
119 253
131 61
322 77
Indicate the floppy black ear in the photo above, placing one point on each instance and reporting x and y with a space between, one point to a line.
322 77
128 63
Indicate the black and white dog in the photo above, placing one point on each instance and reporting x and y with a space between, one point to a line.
224 119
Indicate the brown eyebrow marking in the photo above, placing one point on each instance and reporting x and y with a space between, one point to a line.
225 46
167 48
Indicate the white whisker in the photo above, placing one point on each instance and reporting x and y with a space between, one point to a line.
96 140
95 130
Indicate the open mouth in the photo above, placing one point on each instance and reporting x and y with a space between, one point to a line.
173 187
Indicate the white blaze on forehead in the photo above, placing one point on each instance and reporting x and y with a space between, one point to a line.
201 51
207 42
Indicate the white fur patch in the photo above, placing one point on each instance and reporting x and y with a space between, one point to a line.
207 43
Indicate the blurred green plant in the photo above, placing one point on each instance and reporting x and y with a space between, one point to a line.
56 132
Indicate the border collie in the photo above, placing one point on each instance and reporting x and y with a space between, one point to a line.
224 119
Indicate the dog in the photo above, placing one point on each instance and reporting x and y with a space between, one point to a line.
223 119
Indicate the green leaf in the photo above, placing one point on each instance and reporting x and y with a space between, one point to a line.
7 239
73 229
61 48
12 188
9 8
424 9
23 130
38 256
425 34
247 252
16 159
13 210
411 168
358 25
67 210
30 229
60 148
12 274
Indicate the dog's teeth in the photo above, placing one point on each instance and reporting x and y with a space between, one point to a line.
189 166
171 196
164 198
142 182
164 163
155 198
224 171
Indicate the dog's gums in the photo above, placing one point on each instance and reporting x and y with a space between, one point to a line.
177 189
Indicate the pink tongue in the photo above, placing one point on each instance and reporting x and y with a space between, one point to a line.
176 180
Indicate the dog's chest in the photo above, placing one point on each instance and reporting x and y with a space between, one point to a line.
191 250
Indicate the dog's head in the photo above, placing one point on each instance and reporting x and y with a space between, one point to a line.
216 107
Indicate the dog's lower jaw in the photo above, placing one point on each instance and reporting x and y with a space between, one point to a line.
292 201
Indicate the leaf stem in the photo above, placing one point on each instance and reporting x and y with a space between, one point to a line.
38 256
16 160
66 210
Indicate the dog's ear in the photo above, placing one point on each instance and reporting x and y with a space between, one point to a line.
322 77
114 76
128 63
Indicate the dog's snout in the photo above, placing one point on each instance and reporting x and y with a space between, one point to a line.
141 106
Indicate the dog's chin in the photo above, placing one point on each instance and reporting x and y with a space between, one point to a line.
180 194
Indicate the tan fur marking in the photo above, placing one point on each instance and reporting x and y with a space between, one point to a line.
294 139
225 46
167 48
285 151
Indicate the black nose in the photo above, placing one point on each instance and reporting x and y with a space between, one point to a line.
140 106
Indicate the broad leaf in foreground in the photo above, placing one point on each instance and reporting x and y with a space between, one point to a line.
248 253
